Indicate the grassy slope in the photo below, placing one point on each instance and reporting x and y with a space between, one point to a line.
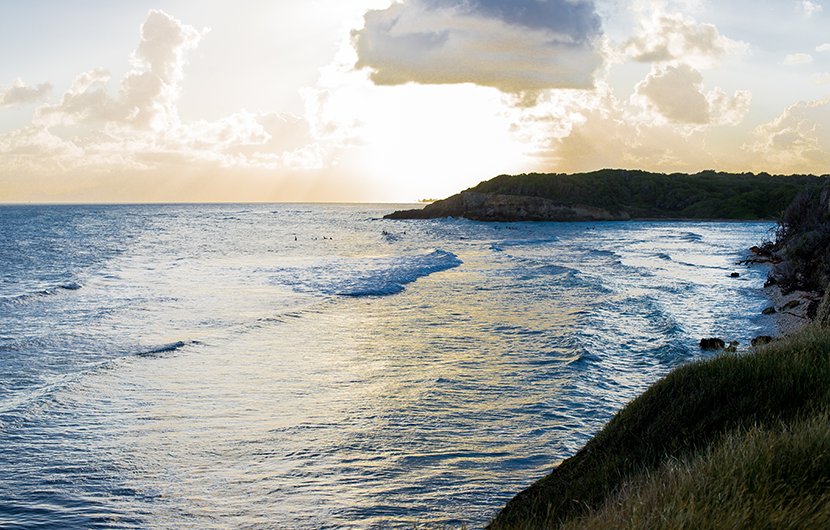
728 432
642 194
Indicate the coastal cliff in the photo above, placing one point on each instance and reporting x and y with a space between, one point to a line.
507 208
618 194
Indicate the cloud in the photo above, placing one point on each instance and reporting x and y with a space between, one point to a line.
724 110
663 38
20 94
676 93
512 45
819 79
798 139
809 8
147 97
798 58
140 129
668 126
823 47
575 131
164 41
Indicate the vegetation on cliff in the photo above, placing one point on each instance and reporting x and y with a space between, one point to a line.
732 441
801 245
705 195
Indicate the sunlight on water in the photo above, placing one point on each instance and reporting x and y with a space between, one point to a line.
298 366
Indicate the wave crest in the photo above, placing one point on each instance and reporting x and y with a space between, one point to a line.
370 277
51 291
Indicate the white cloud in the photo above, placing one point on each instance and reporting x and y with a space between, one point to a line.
20 94
588 130
819 79
308 157
663 38
798 139
147 98
141 129
676 93
724 110
668 125
809 8
798 58
164 41
823 47
512 45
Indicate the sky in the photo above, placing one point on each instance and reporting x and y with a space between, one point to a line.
397 101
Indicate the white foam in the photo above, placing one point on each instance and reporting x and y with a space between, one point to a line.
368 277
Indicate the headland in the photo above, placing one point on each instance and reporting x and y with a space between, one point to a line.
621 195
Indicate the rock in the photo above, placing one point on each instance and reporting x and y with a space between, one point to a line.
736 275
761 340
768 311
508 208
822 319
812 308
792 304
711 344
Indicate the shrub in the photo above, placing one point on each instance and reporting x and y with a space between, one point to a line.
802 240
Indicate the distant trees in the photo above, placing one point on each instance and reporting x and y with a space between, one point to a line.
705 195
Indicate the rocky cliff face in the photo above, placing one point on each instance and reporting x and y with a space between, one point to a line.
507 208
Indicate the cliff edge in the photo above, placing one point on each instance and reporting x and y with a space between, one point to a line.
508 208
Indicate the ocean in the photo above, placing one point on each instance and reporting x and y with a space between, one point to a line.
316 366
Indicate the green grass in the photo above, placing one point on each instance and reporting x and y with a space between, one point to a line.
733 430
762 477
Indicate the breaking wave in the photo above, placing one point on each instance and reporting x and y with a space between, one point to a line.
51 291
373 277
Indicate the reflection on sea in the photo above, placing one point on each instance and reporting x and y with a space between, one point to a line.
225 376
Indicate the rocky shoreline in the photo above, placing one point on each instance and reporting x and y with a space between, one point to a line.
791 310
799 257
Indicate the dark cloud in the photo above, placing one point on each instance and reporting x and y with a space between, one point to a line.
578 19
510 45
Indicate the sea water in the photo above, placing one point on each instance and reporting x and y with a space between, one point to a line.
315 366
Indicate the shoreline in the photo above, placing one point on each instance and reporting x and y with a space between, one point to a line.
789 317
789 312
697 220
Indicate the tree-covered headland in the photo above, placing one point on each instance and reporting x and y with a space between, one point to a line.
704 195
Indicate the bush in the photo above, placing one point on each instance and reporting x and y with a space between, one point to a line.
802 240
